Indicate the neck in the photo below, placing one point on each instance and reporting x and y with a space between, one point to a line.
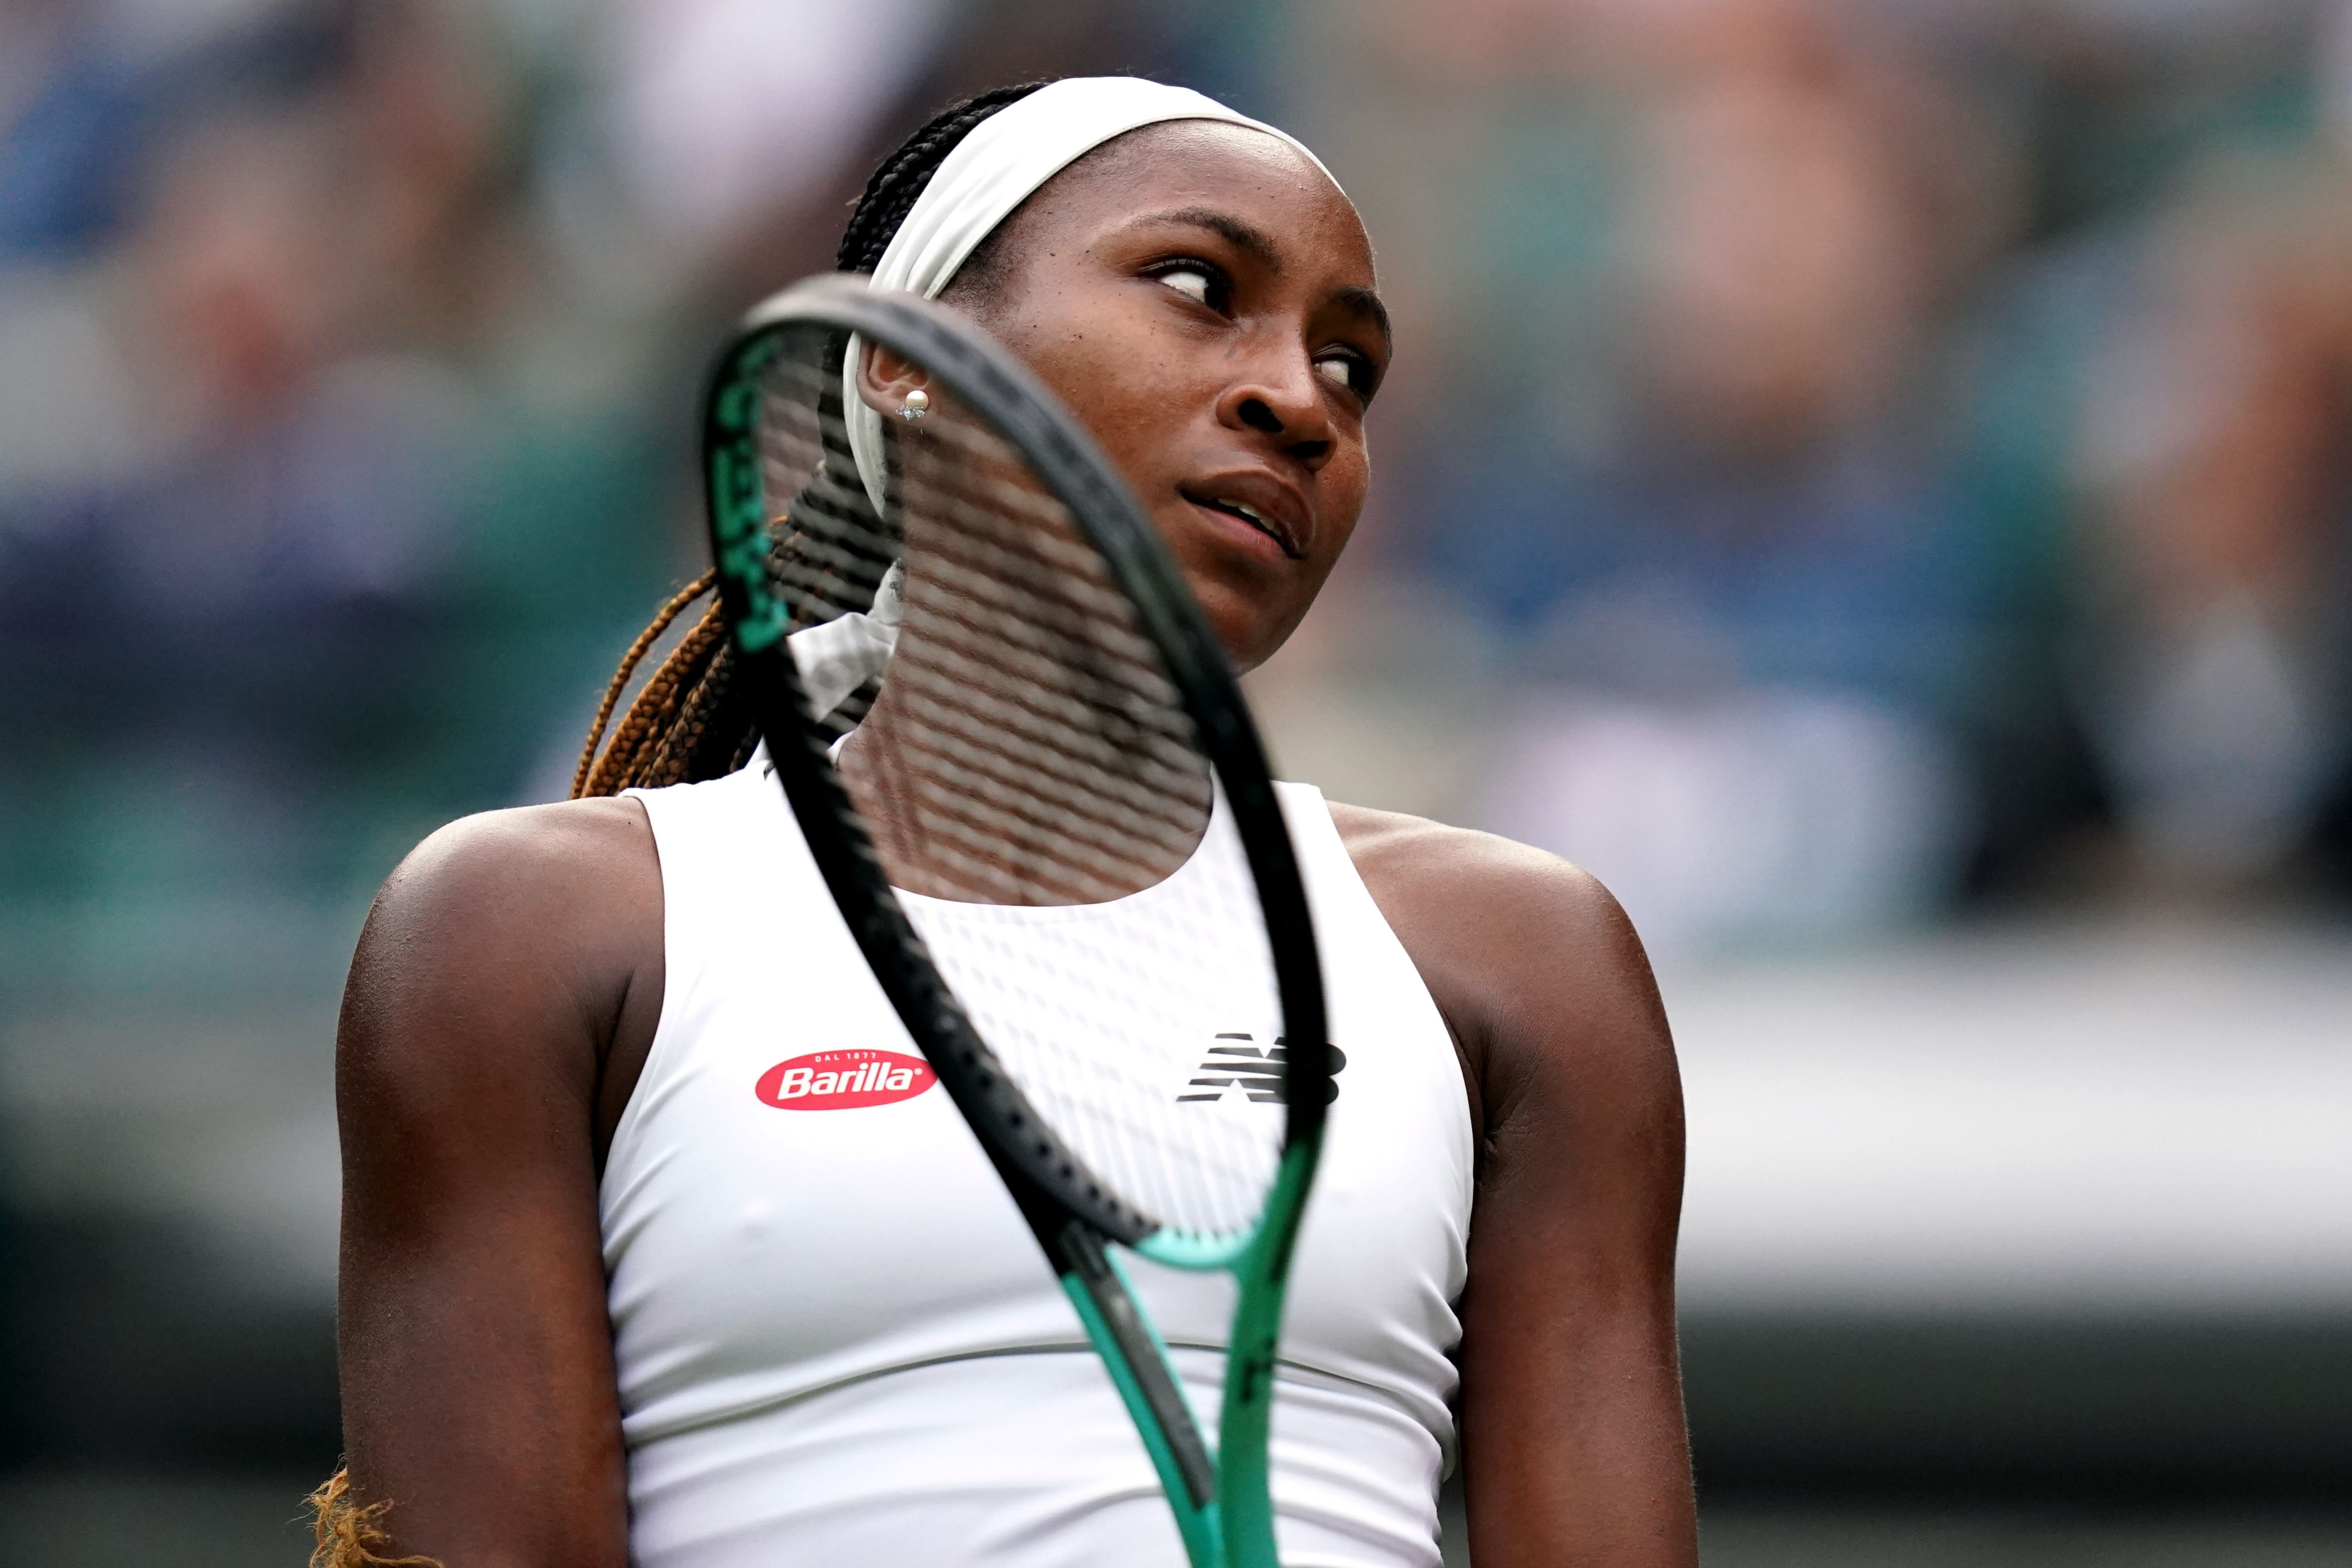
1029 761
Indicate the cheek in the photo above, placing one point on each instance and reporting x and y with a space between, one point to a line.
1132 386
1345 484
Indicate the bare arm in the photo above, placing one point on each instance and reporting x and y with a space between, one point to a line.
507 980
1574 1440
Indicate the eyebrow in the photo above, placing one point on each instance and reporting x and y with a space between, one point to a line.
1361 301
1257 244
1247 238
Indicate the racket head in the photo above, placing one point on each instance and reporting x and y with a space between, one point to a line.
1059 728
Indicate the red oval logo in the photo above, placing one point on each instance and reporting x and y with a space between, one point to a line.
844 1081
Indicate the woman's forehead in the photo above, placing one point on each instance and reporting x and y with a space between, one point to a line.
1188 163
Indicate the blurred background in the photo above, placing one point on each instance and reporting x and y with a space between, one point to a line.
1870 479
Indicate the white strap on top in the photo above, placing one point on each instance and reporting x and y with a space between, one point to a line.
842 655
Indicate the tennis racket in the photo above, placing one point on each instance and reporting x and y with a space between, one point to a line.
1058 729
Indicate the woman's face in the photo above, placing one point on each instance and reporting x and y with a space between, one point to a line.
1202 296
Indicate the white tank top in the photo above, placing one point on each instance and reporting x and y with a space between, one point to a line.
837 1342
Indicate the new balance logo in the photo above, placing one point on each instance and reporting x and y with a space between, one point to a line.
1234 1066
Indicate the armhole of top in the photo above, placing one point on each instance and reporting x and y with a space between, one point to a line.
1316 837
679 980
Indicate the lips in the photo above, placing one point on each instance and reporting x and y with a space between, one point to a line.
1259 500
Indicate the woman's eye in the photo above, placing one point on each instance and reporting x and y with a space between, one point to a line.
1193 282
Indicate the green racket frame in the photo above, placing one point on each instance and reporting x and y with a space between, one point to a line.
1221 1497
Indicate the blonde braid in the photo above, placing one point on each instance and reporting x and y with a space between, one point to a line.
349 1535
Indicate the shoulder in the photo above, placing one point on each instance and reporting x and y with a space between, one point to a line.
1533 963
559 903
1414 855
498 857
1458 888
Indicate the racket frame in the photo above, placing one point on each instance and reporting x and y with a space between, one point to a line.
1221 1499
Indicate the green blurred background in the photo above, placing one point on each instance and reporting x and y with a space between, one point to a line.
1870 479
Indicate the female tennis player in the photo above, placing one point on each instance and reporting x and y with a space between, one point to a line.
580 1327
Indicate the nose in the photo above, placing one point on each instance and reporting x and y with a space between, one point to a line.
1279 397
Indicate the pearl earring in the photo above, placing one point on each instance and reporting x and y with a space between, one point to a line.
917 404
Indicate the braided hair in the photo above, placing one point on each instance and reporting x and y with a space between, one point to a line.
687 724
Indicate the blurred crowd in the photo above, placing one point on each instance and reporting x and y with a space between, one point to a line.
1846 460
1865 459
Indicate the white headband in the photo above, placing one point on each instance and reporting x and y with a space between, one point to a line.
993 171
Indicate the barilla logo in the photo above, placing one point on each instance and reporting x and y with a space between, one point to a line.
844 1081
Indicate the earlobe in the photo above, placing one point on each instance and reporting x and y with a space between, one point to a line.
891 386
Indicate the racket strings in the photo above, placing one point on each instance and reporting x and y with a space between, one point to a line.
1022 669
1029 772
1081 1016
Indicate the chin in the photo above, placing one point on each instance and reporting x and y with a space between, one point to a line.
1241 629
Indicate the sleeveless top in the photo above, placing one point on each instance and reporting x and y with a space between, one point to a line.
836 1341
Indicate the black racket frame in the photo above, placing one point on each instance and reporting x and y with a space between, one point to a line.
1052 1186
